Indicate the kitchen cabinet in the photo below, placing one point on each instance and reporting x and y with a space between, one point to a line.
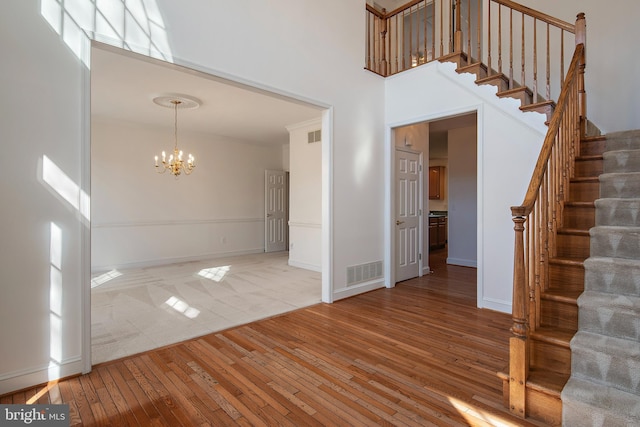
436 182
437 232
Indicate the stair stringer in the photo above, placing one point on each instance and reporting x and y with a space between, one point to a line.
488 93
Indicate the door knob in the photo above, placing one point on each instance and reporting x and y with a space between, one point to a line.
399 222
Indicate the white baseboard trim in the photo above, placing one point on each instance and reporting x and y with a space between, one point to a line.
27 378
463 262
164 261
358 289
298 264
496 305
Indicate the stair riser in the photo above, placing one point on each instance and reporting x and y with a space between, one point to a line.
550 357
580 217
558 314
611 321
612 276
579 414
542 406
570 278
573 246
610 367
621 161
620 185
610 242
521 96
618 212
588 167
584 191
591 147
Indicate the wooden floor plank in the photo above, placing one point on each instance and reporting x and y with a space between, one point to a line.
414 355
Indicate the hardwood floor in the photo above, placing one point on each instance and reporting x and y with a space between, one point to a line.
419 354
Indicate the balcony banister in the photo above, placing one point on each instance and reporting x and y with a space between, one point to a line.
538 15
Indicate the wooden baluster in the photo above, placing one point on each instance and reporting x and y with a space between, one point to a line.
522 57
433 30
489 65
548 93
581 38
518 343
383 37
457 41
425 50
479 32
397 47
499 38
469 60
535 60
510 48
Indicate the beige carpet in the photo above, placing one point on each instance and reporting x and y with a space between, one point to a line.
140 309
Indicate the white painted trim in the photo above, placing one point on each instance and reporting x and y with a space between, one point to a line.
169 223
164 261
306 124
327 206
25 378
390 193
462 262
304 224
359 289
304 265
497 305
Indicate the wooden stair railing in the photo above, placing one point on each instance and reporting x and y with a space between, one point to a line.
526 47
539 218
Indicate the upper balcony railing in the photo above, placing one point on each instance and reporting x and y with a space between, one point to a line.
528 47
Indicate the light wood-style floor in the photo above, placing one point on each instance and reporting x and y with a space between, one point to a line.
417 355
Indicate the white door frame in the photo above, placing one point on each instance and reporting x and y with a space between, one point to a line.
420 242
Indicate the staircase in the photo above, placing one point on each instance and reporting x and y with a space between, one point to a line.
604 388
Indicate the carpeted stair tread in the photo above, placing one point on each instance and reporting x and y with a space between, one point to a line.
610 314
620 185
607 360
587 403
615 242
612 275
618 211
621 161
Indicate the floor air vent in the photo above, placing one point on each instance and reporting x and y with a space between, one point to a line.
364 272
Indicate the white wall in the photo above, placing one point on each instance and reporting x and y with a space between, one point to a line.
140 217
508 145
463 206
305 197
305 48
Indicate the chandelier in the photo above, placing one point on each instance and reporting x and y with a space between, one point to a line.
176 164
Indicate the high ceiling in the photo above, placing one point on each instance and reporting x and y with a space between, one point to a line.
123 87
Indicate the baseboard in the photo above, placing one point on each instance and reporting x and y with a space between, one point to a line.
463 262
20 380
496 305
358 289
164 261
312 267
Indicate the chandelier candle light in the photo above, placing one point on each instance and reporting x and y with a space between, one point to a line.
175 163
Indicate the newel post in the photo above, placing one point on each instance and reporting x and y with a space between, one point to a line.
457 37
581 38
518 343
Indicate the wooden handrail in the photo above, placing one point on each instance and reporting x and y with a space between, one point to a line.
538 15
554 125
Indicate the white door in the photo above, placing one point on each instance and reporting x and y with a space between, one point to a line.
408 213
275 207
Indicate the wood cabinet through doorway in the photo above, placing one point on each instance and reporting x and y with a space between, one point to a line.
436 182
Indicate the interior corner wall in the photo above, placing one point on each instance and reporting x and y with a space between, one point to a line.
142 218
305 197
462 191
